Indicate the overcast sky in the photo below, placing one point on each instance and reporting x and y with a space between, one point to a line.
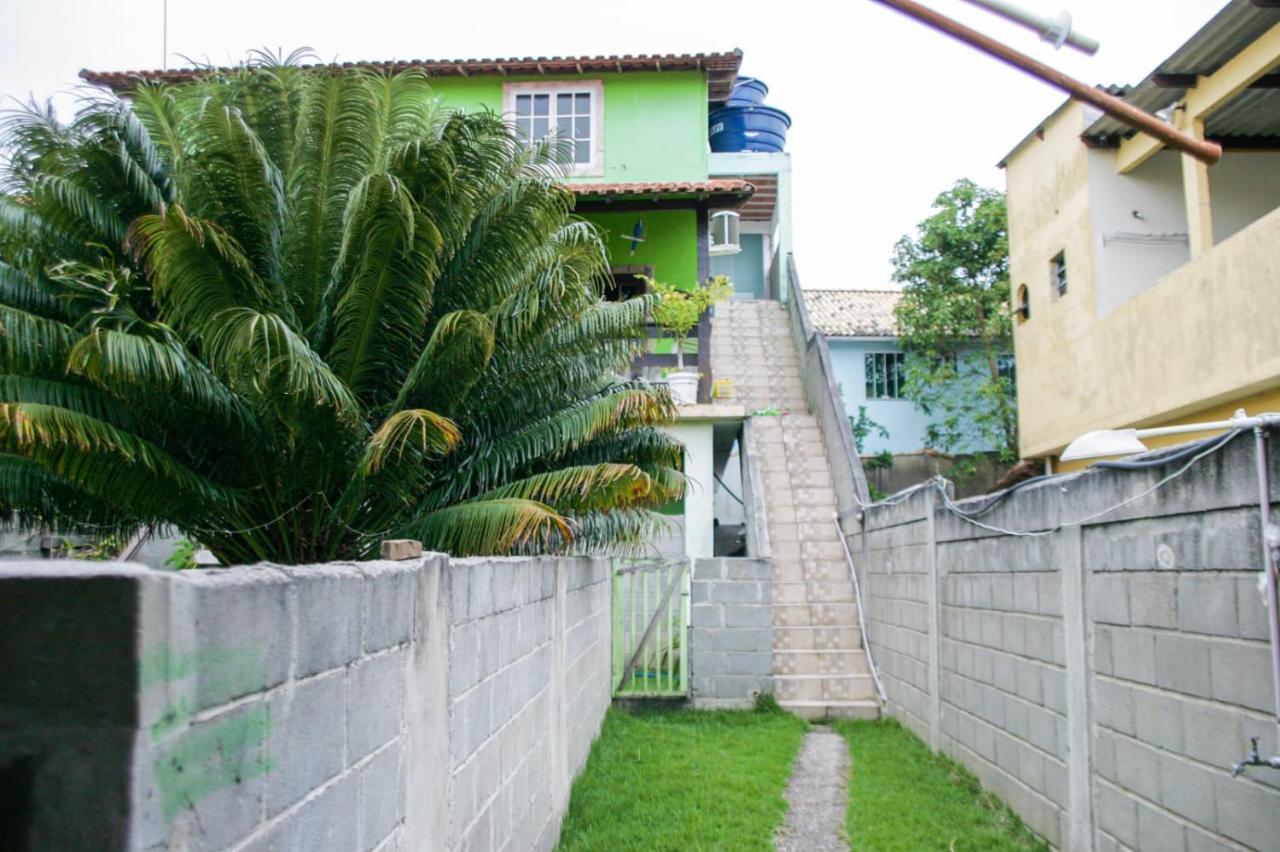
886 113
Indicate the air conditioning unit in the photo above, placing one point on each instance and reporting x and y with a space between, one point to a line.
724 232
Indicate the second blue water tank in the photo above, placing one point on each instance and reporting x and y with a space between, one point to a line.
748 128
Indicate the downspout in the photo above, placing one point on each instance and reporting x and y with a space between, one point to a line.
1203 150
1270 558
862 619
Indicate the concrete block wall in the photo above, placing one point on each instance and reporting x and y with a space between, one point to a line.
894 572
731 632
1101 678
430 703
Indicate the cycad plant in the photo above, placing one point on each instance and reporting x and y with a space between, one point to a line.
291 313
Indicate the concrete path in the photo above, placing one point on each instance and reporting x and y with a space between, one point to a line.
816 795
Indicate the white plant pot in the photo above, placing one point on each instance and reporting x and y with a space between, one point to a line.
684 386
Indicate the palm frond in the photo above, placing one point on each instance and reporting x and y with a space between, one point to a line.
453 360
197 270
420 432
261 355
498 526
102 460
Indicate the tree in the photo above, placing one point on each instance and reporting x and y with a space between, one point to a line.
955 324
679 308
292 313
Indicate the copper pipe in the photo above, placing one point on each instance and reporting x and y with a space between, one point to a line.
1207 152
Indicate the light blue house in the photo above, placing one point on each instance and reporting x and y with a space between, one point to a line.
863 338
869 365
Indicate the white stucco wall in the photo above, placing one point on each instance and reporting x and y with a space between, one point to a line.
699 499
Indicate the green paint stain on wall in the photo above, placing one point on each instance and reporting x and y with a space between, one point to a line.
227 670
212 757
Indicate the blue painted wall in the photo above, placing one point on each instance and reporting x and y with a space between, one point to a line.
745 269
904 420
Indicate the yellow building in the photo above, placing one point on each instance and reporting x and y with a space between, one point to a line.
1146 284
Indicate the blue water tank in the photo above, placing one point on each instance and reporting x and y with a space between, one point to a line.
748 128
748 91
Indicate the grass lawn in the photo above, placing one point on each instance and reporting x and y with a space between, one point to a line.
904 797
683 780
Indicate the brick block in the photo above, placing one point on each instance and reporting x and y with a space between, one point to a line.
1246 813
396 549
1153 600
1138 768
748 615
734 592
1182 663
382 796
237 635
329 821
390 595
1114 705
374 703
1240 674
1158 831
478 576
1118 814
210 778
1250 610
1185 789
330 600
1108 597
307 741
1158 719
1207 604
1133 655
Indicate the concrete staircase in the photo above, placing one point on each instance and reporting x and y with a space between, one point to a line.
819 666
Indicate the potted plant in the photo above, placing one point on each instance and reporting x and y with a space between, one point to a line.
677 313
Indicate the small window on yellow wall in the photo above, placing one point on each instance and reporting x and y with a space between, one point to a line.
1022 308
1058 273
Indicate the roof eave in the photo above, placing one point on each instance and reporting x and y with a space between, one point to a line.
721 69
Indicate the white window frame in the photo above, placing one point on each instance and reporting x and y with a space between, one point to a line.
893 386
595 166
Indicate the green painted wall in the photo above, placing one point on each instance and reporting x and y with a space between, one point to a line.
670 245
655 125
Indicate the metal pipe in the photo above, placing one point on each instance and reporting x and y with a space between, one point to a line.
1270 560
1203 150
1270 545
1057 31
862 621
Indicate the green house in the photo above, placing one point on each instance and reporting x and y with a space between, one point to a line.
642 169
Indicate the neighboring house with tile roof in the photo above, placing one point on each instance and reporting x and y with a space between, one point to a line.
870 363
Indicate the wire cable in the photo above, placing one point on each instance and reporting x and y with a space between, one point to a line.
1214 444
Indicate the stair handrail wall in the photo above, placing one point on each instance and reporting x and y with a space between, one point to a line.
822 393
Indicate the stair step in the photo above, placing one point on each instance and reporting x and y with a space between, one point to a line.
820 662
816 710
824 687
810 593
816 614
817 639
